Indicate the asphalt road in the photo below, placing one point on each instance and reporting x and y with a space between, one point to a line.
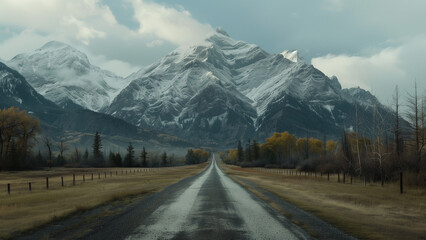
213 206
209 205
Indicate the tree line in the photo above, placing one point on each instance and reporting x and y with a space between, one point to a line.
19 133
378 153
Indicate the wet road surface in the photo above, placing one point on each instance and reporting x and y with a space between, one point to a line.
213 206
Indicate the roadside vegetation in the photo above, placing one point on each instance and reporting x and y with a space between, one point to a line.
20 132
365 212
39 187
23 210
371 184
376 155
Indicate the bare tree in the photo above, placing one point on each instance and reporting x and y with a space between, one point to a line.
357 139
48 143
380 151
62 148
76 155
417 117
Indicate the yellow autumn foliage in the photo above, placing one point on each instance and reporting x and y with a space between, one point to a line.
17 128
282 144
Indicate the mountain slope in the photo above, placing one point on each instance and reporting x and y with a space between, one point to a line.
65 76
16 92
56 122
227 90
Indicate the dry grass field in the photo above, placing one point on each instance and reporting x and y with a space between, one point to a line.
366 212
23 210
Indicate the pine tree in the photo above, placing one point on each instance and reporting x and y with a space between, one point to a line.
144 163
240 152
118 160
189 157
164 159
256 151
86 156
97 147
130 156
111 159
248 151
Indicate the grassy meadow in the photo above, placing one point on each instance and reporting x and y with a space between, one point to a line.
23 210
366 212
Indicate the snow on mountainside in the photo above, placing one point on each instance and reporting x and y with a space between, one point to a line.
228 89
15 91
292 55
364 97
65 76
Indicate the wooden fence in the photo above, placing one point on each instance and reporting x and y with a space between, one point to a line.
68 180
336 177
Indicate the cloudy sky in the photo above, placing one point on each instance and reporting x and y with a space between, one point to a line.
372 44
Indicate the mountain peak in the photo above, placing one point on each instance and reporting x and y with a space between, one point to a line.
53 45
64 74
292 55
220 30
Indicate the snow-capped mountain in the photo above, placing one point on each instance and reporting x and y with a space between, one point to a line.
65 76
292 55
56 122
227 89
15 91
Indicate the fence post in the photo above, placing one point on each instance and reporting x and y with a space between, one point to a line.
73 179
344 177
116 173
29 186
62 181
8 188
400 183
338 177
351 179
328 176
47 182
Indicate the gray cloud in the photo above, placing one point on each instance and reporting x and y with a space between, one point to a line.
360 41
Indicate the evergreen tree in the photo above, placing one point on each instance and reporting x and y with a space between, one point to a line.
164 159
97 149
240 152
248 151
171 159
86 156
144 163
190 157
111 159
59 160
256 151
118 160
130 156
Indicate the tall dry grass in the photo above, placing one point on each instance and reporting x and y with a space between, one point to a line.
366 212
22 210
